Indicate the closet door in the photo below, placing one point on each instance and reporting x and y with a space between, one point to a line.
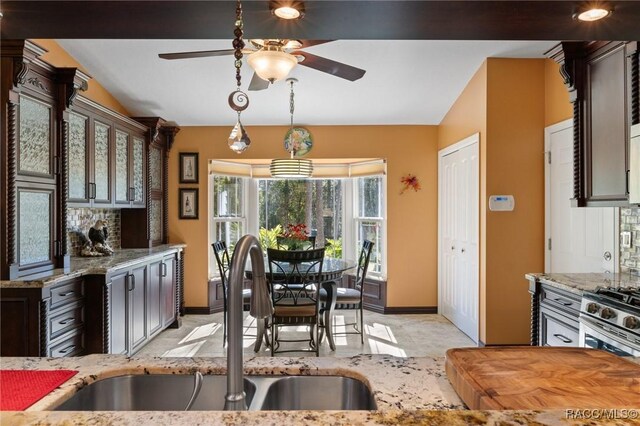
459 220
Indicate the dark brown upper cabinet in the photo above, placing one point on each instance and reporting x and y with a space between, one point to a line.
603 83
106 158
147 226
35 129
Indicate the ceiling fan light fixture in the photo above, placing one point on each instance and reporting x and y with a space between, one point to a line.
592 13
272 65
287 9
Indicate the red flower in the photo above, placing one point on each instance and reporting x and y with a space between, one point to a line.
296 232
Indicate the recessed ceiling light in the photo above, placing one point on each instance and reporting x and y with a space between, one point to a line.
287 9
592 13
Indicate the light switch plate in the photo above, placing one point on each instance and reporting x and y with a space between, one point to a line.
626 239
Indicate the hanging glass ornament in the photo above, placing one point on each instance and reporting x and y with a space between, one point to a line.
239 140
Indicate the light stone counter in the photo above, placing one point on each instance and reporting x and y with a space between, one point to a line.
406 390
578 283
98 265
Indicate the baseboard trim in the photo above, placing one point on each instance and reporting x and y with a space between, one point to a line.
199 310
410 310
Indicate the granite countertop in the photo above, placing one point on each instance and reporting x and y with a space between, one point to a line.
406 390
98 265
578 283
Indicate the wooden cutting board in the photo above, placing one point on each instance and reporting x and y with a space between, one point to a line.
542 378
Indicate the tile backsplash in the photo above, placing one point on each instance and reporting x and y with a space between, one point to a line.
630 221
81 219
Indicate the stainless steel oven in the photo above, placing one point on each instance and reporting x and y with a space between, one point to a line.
600 336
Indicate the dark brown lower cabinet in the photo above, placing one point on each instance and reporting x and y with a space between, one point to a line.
132 305
47 321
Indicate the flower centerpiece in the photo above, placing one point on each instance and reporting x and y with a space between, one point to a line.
294 236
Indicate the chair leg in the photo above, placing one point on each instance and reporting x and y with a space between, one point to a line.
361 325
273 336
224 324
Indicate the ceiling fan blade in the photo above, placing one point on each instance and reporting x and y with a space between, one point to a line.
257 83
200 54
309 43
330 66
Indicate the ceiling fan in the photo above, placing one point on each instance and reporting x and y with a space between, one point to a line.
273 59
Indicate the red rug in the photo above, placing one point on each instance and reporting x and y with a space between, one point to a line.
20 389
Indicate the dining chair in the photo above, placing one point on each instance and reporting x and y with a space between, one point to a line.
351 298
222 259
281 244
295 278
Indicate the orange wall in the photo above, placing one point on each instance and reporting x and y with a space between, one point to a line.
412 217
557 107
515 165
58 57
468 116
509 102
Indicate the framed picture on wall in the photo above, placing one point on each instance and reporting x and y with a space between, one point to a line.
188 167
188 203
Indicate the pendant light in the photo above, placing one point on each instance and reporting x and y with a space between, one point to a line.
291 167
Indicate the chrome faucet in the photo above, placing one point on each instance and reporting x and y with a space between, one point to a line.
260 307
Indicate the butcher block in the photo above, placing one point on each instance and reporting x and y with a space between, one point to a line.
542 378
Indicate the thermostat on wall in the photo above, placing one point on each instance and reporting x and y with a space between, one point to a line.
501 203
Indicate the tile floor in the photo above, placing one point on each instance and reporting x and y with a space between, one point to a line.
398 335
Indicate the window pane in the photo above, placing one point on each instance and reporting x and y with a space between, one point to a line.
370 230
316 203
229 232
228 196
370 197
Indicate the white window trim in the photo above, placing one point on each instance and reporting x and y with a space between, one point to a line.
244 219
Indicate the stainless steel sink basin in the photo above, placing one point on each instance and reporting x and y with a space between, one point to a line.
318 393
171 392
154 392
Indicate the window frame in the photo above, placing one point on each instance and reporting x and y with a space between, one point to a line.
214 221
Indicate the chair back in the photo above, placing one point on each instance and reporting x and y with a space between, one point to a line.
222 259
363 263
281 242
295 276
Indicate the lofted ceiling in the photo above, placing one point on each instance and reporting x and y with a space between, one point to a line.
437 46
407 82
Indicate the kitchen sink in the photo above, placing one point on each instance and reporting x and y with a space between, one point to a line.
171 392
318 393
152 392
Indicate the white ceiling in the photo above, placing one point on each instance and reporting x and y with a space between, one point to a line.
407 82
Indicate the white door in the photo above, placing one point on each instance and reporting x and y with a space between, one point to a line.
458 281
579 239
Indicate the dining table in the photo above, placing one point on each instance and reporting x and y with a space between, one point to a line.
332 271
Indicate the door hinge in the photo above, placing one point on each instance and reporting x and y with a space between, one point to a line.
549 244
549 158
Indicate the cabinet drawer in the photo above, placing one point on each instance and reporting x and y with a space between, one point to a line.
564 300
66 293
69 346
66 320
557 330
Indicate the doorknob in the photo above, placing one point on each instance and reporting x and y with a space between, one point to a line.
462 250
453 247
607 256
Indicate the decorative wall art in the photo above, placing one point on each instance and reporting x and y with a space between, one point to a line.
409 182
188 203
188 167
300 139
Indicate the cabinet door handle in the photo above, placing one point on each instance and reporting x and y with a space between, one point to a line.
92 191
67 349
66 321
131 194
68 293
564 339
133 282
163 268
563 302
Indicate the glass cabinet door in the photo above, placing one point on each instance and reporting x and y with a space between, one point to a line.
138 172
35 148
35 211
122 168
155 168
100 191
78 153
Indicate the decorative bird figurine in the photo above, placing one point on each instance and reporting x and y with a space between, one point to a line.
98 235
